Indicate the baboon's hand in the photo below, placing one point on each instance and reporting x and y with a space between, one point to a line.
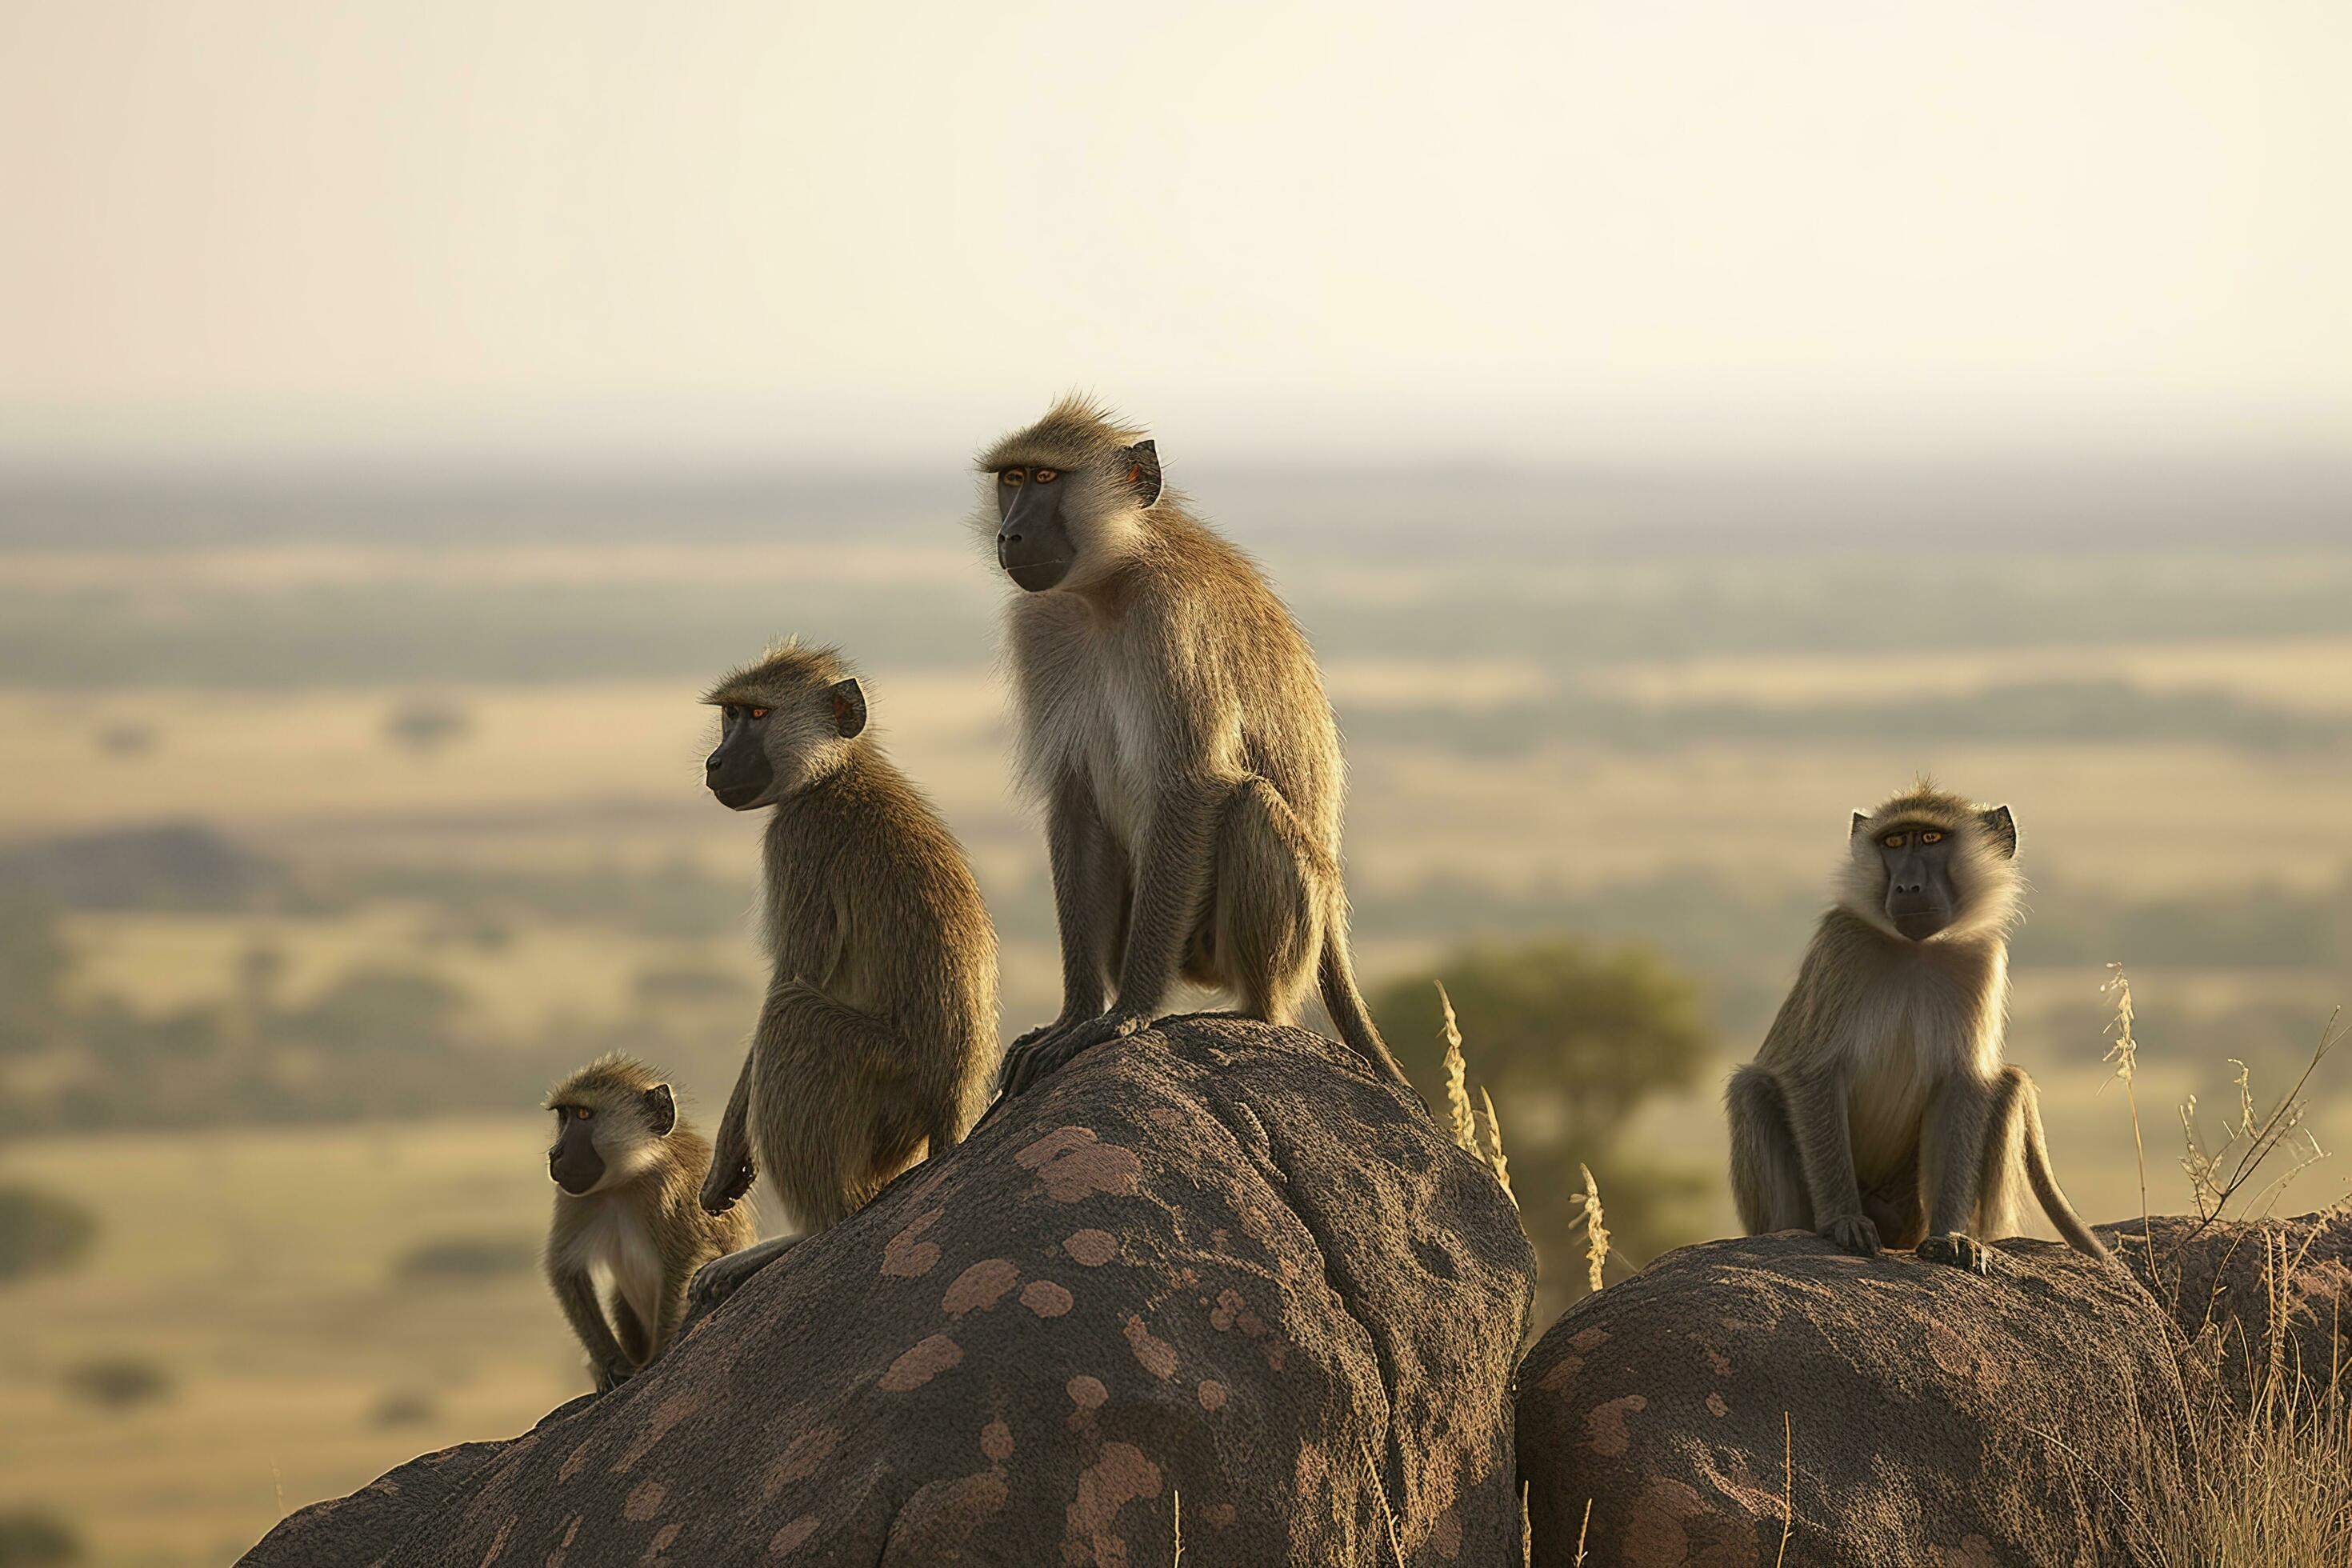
1959 1251
708 1287
612 1374
1853 1232
1028 1063
723 1186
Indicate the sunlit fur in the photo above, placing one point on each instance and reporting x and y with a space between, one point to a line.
877 1038
1879 1109
801 740
1173 724
1987 887
621 1255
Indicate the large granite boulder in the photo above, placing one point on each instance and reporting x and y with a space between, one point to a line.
2226 1282
1882 1412
1217 1269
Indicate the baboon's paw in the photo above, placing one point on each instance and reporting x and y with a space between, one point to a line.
1853 1232
1959 1251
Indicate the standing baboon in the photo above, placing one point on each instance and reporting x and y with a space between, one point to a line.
626 1168
878 1040
1173 724
1879 1110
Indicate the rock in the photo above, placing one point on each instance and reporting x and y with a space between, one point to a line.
1933 1416
1217 1264
2221 1280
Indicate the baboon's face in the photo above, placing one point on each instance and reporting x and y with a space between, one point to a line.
1922 895
599 1142
772 742
574 1163
1058 527
1032 535
740 772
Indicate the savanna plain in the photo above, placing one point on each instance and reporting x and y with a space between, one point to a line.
339 817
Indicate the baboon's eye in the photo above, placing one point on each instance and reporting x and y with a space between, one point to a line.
1047 476
582 1113
1929 836
758 712
1893 840
1012 476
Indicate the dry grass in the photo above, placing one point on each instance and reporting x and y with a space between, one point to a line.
1461 1121
1596 1228
2265 1479
2269 1482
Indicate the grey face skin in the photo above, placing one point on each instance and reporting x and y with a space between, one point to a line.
1918 860
1032 542
574 1163
738 772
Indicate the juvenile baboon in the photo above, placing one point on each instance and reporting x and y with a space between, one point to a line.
1879 1110
878 1040
626 1169
1173 724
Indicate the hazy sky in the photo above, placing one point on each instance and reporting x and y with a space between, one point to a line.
781 232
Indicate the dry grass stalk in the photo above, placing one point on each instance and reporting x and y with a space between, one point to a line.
1457 1079
1494 1156
1396 1543
2125 1054
1787 1487
2218 1175
1596 1228
1463 1121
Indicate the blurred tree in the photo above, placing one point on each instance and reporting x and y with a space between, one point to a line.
118 1382
41 1231
1570 1039
34 1537
381 1010
423 725
126 738
34 959
463 1259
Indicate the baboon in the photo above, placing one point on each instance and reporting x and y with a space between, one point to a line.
1173 725
878 1040
1879 1110
627 1167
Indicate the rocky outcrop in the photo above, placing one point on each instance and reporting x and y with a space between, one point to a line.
1217 1269
1881 1411
2226 1282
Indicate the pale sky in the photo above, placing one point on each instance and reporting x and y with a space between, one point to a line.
264 229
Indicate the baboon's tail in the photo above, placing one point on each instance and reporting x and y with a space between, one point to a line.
1337 978
2045 1182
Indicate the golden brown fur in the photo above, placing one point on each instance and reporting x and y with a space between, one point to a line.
1879 1109
640 1231
877 1039
1173 724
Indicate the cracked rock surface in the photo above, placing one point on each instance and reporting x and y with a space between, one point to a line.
1215 1267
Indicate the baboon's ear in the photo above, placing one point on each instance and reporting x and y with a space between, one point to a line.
1142 461
849 706
1860 820
661 1109
2001 827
